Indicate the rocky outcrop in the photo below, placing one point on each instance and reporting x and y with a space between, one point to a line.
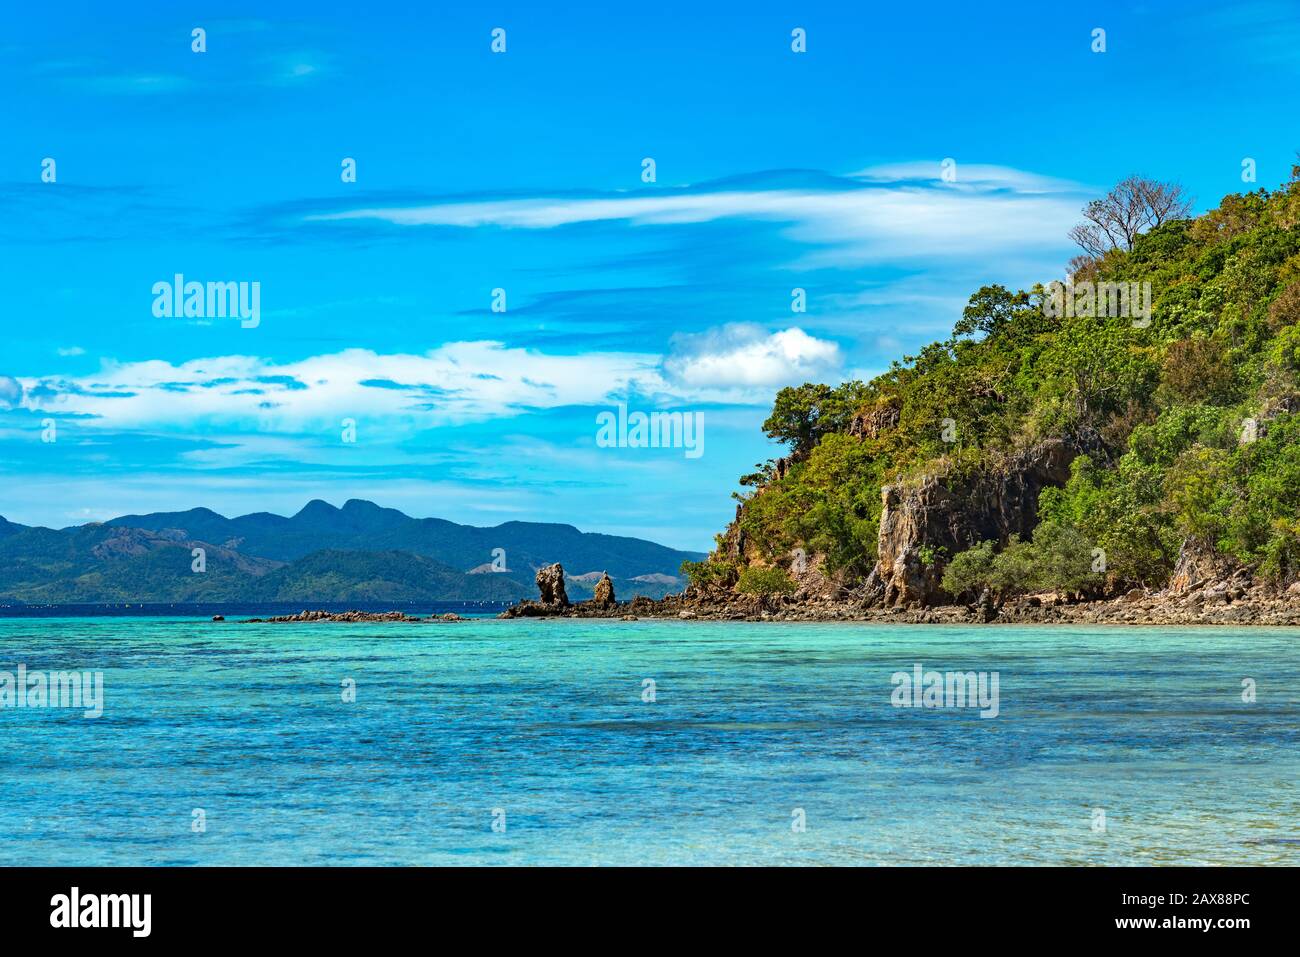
555 603
603 594
923 521
1198 565
733 541
871 423
550 583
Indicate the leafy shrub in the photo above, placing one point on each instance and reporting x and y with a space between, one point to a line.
1196 370
764 581
1013 569
1058 559
971 571
1061 559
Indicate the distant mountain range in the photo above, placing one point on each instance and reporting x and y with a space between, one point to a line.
360 552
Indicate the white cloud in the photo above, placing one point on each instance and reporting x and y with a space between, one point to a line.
746 356
455 383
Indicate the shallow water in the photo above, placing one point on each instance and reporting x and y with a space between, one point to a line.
544 721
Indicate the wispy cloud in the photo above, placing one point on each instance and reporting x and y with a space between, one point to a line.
292 68
887 213
966 176
97 75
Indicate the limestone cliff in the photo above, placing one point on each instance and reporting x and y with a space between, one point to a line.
939 516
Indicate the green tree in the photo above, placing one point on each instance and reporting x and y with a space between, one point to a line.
989 311
802 415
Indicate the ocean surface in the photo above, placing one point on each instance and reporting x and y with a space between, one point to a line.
531 742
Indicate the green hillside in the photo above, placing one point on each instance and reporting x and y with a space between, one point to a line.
364 526
380 576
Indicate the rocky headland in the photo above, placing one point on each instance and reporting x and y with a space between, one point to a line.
935 512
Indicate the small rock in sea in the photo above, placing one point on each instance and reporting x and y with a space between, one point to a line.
631 618
603 596
218 617
450 616
686 615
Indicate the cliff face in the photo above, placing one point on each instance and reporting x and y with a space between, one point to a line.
947 516
935 518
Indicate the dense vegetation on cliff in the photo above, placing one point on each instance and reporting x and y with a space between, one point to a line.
1182 424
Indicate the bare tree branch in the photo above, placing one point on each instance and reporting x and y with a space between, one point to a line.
1090 238
1134 205
1161 202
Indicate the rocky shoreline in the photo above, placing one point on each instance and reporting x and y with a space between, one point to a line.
1237 601
349 617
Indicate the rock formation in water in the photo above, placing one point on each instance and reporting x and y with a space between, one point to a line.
554 602
550 583
604 592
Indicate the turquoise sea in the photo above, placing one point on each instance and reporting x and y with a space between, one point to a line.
541 727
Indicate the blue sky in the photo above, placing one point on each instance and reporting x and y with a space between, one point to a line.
522 171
